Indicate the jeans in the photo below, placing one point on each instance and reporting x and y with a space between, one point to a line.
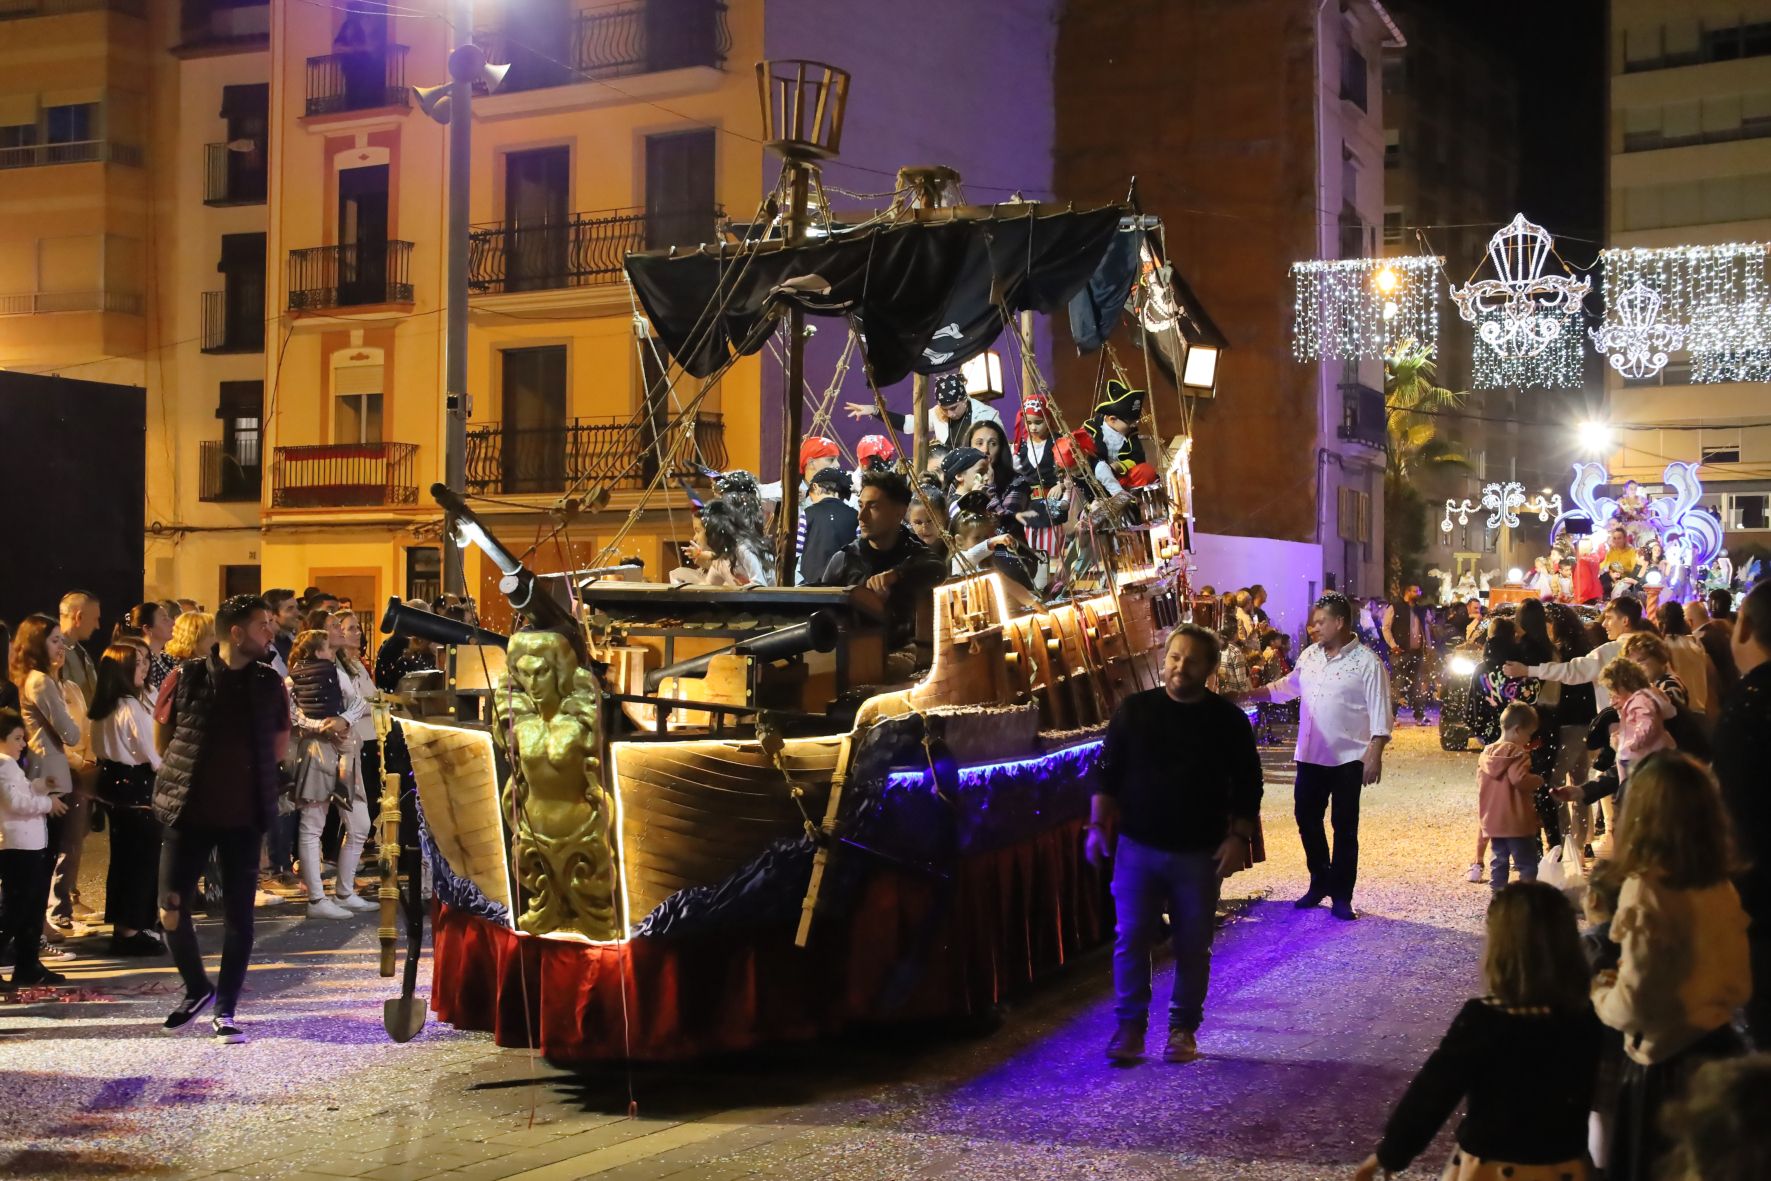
1335 791
279 844
24 877
350 848
1410 692
183 855
132 879
67 838
1522 852
1146 882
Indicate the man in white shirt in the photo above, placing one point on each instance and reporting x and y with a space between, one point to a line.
1621 616
1343 728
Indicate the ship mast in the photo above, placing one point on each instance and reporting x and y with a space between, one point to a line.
802 103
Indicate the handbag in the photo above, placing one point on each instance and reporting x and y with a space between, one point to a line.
1552 871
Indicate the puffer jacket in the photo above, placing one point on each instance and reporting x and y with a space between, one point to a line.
194 696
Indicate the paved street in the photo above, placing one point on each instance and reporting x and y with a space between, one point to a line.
1313 1028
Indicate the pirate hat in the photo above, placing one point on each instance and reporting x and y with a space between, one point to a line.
815 447
1074 449
950 388
1121 402
873 446
1032 407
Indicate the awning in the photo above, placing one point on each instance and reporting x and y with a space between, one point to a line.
926 295
251 100
241 399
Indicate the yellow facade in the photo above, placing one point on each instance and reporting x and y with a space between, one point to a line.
124 258
74 79
320 362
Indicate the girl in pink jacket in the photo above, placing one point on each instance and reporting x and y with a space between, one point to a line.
1642 713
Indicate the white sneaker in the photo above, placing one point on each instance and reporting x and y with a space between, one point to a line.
266 898
357 902
1476 873
325 908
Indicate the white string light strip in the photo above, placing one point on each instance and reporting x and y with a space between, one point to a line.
1716 298
1363 308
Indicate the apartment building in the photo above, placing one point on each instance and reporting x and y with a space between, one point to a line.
75 77
241 209
1265 148
1690 164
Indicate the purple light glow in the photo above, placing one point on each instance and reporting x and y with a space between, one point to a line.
981 773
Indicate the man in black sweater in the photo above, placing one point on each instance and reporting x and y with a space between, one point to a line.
1742 762
1179 802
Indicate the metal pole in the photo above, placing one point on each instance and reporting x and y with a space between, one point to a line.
794 229
465 65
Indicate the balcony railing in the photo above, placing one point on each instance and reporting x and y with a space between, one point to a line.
1649 141
238 333
1363 416
583 251
641 38
609 453
19 9
33 303
234 177
360 81
350 275
229 473
85 151
344 475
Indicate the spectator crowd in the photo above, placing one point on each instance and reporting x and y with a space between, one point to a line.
231 755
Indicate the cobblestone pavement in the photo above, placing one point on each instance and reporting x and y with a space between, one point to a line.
1313 1028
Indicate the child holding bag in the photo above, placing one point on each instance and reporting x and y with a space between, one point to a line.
1536 1009
327 771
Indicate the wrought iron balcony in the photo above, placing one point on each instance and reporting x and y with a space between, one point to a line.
35 303
608 453
240 333
350 275
232 177
344 475
640 38
85 151
583 251
364 80
229 473
1363 415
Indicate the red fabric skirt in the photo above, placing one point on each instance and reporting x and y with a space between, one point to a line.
912 949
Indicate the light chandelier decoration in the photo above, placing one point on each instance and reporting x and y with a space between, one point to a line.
1362 308
1523 314
1504 501
1716 297
1637 341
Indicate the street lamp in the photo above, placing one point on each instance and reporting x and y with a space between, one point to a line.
1594 437
452 105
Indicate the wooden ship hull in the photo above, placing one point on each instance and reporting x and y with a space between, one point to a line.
923 862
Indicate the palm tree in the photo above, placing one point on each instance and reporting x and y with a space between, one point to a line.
1416 445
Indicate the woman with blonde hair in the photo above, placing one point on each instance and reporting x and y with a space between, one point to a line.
1682 968
193 634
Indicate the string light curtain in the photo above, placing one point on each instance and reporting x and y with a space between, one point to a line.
1714 299
1527 317
1363 308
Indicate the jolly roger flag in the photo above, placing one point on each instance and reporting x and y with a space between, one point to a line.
926 295
1135 283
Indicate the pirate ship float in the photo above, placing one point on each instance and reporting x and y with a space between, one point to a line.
697 819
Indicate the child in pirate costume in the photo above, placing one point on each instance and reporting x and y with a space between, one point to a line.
951 418
1114 427
1033 451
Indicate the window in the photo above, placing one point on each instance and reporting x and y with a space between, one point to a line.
1721 454
356 418
534 419
1392 147
242 270
1393 227
72 124
1353 77
1349 177
424 573
1719 446
680 204
18 135
1355 515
